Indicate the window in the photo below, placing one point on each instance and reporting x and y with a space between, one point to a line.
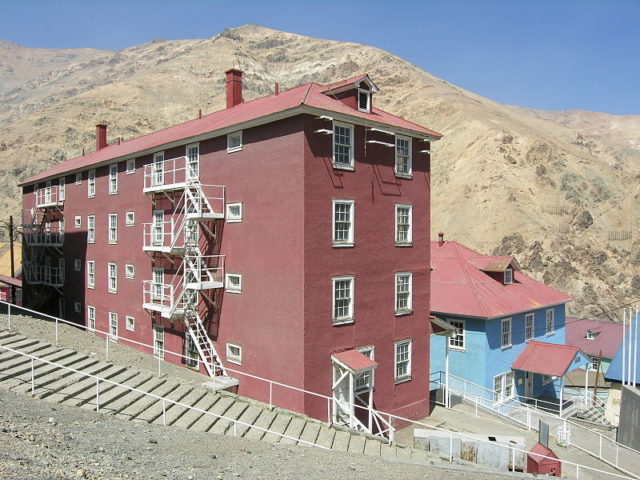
456 342
233 283
61 226
61 307
193 161
342 145
403 292
529 326
131 166
403 361
343 295
113 228
404 233
91 318
62 190
157 292
505 330
78 178
549 322
343 220
113 326
403 156
234 353
234 212
158 227
364 100
91 184
77 307
130 218
503 387
158 169
113 178
158 341
595 363
78 221
129 270
508 276
130 323
190 351
91 274
112 277
234 142
364 380
91 229
77 264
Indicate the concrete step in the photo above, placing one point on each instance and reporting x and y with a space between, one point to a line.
249 416
233 413
356 445
18 343
160 409
20 369
265 420
205 423
88 391
310 432
107 398
192 416
279 425
130 397
326 436
177 411
373 447
294 430
76 383
37 349
88 365
141 404
51 374
341 441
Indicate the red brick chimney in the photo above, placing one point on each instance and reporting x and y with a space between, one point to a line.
234 87
101 136
440 239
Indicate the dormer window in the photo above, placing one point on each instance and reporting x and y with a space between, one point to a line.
508 276
364 100
590 335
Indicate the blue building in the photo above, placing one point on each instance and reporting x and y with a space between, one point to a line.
625 366
504 323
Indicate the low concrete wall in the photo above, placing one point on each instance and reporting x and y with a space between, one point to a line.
629 428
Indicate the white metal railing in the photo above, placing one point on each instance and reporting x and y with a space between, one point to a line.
164 401
204 271
49 196
588 440
44 275
43 239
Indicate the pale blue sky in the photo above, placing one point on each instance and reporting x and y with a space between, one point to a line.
547 54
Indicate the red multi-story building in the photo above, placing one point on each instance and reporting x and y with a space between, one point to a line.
286 237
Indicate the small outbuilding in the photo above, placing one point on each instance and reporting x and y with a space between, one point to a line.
542 460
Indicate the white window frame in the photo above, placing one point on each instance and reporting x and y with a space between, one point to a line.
91 274
130 323
113 228
157 236
77 264
230 216
157 175
506 333
131 166
367 109
408 241
91 229
529 326
234 357
130 218
130 270
113 179
91 318
191 172
508 276
77 307
343 165
78 178
550 327
61 226
365 381
595 363
157 284
405 376
408 308
191 355
113 326
230 286
61 189
78 221
409 168
506 386
350 240
350 316
112 280
231 147
458 341
158 341
91 183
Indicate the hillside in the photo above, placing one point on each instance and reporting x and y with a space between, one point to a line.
551 188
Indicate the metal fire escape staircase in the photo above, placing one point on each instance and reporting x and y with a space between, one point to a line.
179 239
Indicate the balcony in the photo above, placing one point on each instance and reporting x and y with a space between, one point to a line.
167 175
50 196
45 275
43 239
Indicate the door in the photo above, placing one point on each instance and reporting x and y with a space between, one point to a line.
528 384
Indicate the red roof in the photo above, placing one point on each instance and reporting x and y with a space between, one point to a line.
354 360
546 358
608 336
309 95
16 282
539 449
460 287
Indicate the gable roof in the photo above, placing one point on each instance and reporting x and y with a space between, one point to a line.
548 358
460 287
306 98
607 339
495 263
354 361
349 83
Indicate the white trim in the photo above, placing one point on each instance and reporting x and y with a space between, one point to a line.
78 179
508 276
113 326
552 323
460 332
197 162
503 331
113 289
129 270
78 221
91 274
130 218
130 323
234 357
527 317
350 317
91 229
409 308
409 172
91 318
342 165
113 228
113 179
231 217
367 109
129 170
349 242
230 137
91 183
408 241
366 378
158 341
405 377
230 286
498 395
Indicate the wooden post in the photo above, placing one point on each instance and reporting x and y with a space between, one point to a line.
13 267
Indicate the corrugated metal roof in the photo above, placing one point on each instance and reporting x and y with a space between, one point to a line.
614 372
309 95
494 263
608 336
459 287
546 358
11 281
355 361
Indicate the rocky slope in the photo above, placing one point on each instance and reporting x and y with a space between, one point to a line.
556 189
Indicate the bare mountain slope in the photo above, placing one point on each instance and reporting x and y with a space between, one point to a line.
550 187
